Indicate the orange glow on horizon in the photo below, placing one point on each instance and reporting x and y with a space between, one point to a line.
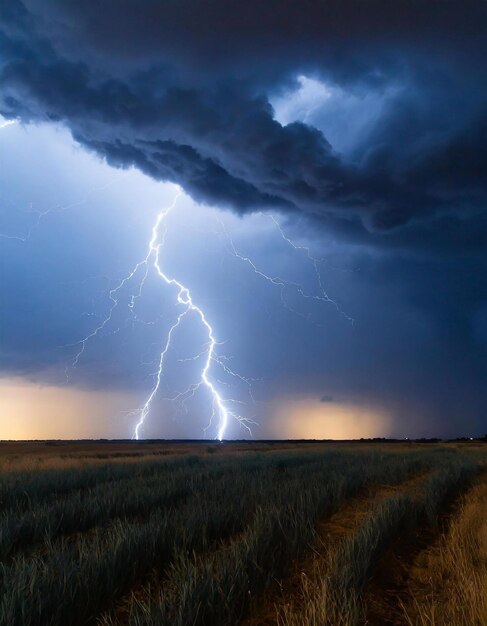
32 411
308 418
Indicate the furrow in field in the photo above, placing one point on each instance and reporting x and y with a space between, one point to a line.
215 587
334 595
437 573
155 487
103 504
250 506
70 583
288 592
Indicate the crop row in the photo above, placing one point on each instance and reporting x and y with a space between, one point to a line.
27 489
137 495
214 587
71 581
334 597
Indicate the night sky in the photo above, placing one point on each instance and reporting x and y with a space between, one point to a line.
331 162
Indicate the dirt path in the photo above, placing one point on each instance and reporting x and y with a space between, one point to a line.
330 532
396 578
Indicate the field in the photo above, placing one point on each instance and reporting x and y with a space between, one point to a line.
302 534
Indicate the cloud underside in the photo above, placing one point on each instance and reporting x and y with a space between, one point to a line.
182 91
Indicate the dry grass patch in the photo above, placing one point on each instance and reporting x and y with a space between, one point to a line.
293 600
449 581
333 595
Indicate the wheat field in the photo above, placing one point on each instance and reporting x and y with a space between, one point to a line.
302 534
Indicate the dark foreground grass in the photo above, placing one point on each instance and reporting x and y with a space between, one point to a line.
333 598
215 587
185 541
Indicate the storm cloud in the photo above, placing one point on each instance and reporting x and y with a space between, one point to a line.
183 91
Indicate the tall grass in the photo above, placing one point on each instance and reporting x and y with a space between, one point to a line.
82 510
211 532
215 588
69 582
451 585
333 597
145 488
26 489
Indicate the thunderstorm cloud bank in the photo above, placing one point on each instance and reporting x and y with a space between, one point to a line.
183 91
366 118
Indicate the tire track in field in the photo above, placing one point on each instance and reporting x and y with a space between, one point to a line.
342 491
392 584
330 532
448 581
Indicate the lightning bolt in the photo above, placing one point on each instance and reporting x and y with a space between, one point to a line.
220 406
283 284
57 208
315 262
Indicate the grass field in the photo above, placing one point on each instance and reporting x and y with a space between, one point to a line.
263 533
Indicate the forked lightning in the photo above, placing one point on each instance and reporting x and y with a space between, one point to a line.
220 406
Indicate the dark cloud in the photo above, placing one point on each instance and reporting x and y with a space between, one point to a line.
326 398
182 91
